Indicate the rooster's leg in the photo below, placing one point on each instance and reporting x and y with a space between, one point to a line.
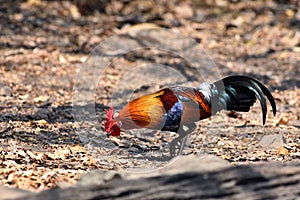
178 143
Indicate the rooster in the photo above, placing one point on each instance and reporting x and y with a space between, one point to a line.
170 109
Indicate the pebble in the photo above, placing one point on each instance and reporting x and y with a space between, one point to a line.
274 141
6 91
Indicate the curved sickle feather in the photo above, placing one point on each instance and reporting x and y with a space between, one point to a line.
257 87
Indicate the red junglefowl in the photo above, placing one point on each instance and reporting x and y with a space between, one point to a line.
172 108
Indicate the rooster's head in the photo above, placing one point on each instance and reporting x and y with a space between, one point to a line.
111 126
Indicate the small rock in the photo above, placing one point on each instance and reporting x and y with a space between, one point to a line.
97 177
272 141
220 143
184 11
6 91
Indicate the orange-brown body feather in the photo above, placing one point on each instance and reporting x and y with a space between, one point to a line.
149 111
145 111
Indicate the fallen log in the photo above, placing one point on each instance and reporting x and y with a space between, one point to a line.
190 177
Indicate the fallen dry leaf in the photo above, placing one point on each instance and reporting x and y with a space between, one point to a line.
59 154
77 149
283 121
62 59
40 122
138 27
41 98
24 97
282 151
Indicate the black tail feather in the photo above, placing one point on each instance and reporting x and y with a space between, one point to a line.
241 93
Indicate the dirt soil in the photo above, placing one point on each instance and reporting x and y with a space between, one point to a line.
44 44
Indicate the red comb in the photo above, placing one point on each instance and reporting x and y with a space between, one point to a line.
110 125
109 118
109 114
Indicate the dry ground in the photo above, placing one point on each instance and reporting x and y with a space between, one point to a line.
44 42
